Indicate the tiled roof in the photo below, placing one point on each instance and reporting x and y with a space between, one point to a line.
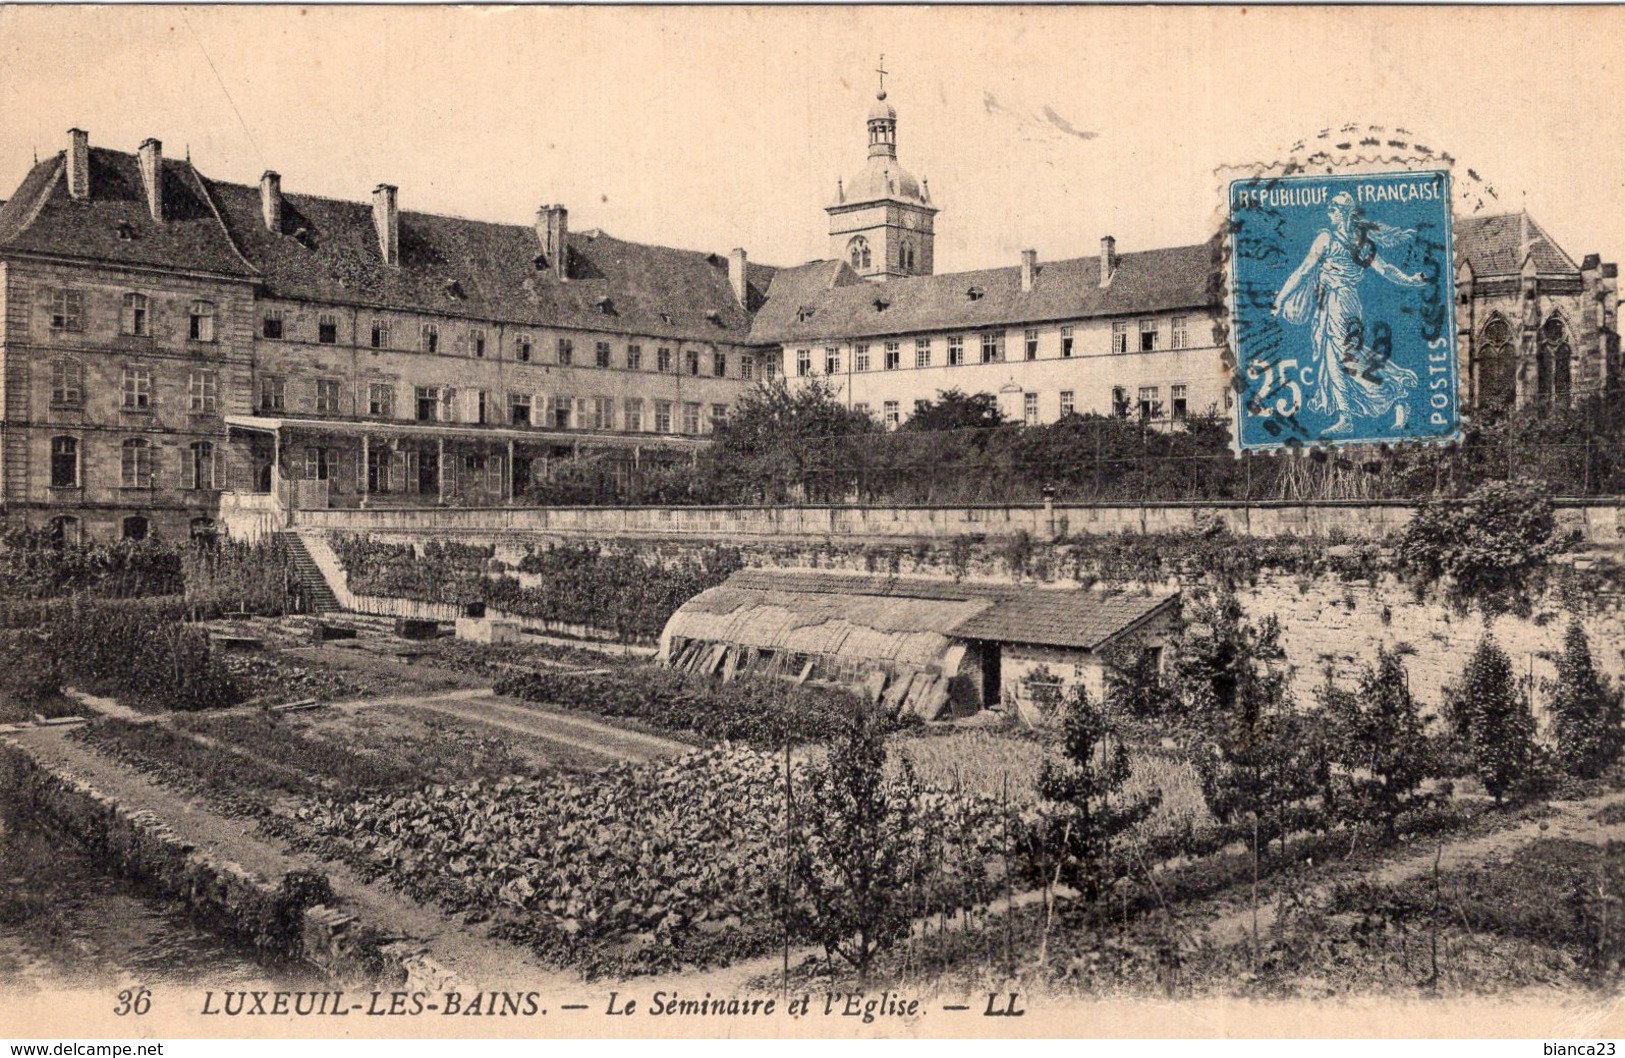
1494 246
1148 281
114 225
1010 613
328 251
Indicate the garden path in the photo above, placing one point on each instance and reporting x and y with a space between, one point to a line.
478 961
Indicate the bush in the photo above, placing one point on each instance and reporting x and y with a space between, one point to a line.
139 654
1489 544
1588 718
1491 717
29 672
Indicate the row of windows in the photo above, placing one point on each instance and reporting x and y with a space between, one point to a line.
1149 405
138 464
67 314
136 387
989 345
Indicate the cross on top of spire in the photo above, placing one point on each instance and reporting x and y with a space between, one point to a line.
881 70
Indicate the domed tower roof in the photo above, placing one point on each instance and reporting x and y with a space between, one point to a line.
882 110
882 177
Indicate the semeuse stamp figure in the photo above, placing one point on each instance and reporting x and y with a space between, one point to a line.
1323 354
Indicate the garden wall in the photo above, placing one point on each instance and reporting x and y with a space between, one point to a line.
1599 522
217 892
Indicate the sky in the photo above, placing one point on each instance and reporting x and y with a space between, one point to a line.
710 128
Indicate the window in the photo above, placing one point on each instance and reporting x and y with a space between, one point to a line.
860 357
64 462
203 392
429 338
1150 406
747 367
662 416
200 321
770 368
377 471
1066 342
1120 402
135 528
922 352
567 351
894 355
321 464
719 415
1031 338
476 342
380 334
600 414
519 409
719 365
1119 336
803 363
857 252
135 466
563 412
691 418
200 466
632 415
327 328
663 360
1178 399
327 396
482 407
1148 336
1068 403
428 403
691 361
889 414
67 383
956 350
1180 338
832 360
992 347
861 407
522 349
133 320
273 393
600 354
448 405
67 310
634 358
381 400
271 325
1029 409
137 387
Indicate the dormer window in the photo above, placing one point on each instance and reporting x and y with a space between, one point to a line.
126 231
454 289
805 313
605 306
302 236
881 304
715 317
975 294
665 317
540 261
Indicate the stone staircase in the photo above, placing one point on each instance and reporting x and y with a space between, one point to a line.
317 592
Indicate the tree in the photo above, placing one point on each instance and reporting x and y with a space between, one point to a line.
780 445
1493 714
1489 544
1380 742
1084 791
1250 744
954 409
856 846
1588 719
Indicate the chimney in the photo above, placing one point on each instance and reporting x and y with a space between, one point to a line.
1029 269
151 153
1108 260
271 201
553 231
386 217
78 164
736 275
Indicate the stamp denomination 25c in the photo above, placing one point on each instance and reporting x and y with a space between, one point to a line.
1342 308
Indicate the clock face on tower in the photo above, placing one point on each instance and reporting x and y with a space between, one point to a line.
910 220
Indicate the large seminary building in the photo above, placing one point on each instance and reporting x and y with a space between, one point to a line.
171 344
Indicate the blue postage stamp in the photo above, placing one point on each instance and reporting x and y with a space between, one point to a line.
1343 309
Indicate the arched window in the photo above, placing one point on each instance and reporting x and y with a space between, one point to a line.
1554 361
200 467
1495 364
64 531
136 464
201 327
905 256
134 319
858 251
136 527
64 462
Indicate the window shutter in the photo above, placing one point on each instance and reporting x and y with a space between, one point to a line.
540 414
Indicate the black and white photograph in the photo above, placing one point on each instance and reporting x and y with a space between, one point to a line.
811 521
